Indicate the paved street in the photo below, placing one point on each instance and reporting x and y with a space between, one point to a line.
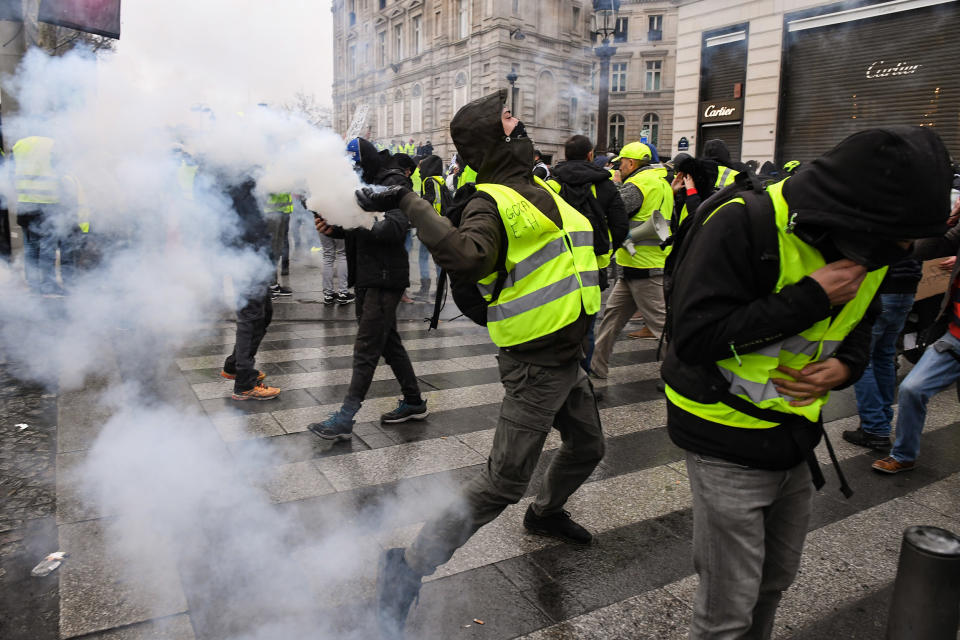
635 581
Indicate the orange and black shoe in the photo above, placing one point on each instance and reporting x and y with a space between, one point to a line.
232 376
259 392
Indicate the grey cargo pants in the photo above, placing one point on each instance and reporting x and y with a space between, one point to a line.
536 399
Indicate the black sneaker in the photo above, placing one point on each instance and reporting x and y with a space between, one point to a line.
277 290
345 298
861 438
398 586
558 525
329 298
339 426
405 412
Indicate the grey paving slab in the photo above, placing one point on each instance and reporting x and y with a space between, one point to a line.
654 614
80 418
73 505
244 427
942 497
378 466
99 590
173 628
294 481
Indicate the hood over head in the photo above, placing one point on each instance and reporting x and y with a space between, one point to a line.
874 188
477 133
431 166
717 151
370 161
579 172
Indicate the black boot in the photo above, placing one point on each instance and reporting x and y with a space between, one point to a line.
397 587
424 292
558 525
861 438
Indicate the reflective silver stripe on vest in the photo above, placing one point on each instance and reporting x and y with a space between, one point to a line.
801 346
542 296
723 177
553 249
756 391
759 391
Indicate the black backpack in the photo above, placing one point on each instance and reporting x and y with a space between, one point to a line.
759 210
581 198
466 295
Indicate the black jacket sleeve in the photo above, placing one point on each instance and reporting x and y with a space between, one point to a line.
613 207
390 229
946 245
722 298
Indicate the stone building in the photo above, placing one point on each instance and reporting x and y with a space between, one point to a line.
415 62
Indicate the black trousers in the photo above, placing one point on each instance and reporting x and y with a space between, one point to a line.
252 322
377 336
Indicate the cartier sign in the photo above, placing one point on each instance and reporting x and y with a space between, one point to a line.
721 110
881 69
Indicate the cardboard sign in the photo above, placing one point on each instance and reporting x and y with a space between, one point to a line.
934 281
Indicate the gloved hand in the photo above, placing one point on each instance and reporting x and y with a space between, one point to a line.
384 200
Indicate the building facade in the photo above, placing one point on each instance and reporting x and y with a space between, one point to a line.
414 63
788 79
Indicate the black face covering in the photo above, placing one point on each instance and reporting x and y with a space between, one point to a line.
871 252
519 131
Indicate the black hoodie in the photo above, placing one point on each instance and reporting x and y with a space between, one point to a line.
473 250
581 175
722 291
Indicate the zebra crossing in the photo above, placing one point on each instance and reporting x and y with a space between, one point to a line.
637 581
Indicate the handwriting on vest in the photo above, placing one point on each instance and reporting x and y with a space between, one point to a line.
520 216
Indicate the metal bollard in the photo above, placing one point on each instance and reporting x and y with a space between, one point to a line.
926 593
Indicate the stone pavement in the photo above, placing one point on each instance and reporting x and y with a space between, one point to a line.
635 581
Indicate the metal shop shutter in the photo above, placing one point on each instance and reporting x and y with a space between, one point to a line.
731 134
828 95
723 66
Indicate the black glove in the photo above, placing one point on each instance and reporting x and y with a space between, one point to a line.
383 200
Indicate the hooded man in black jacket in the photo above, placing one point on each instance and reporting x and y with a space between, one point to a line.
772 308
544 384
380 270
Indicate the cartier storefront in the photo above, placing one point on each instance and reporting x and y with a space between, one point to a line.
845 71
787 81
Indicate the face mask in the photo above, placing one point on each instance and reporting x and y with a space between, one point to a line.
519 131
871 253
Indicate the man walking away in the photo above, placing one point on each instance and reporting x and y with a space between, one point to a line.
278 209
939 366
538 320
382 274
434 190
254 316
771 309
589 189
644 191
876 388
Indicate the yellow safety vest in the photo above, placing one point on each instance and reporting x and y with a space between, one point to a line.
280 203
551 272
410 149
467 175
437 194
725 176
749 374
416 180
186 176
657 195
36 181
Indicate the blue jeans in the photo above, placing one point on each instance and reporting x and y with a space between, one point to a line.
936 370
879 382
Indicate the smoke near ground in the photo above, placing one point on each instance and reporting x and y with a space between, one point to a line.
184 85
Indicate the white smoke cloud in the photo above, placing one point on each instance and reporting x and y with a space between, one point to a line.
121 122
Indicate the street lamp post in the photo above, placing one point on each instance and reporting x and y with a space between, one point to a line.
511 78
605 14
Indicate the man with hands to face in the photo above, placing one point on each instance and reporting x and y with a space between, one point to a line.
772 308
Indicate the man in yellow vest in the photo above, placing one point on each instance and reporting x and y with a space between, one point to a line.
727 170
277 211
771 308
519 237
644 190
38 210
